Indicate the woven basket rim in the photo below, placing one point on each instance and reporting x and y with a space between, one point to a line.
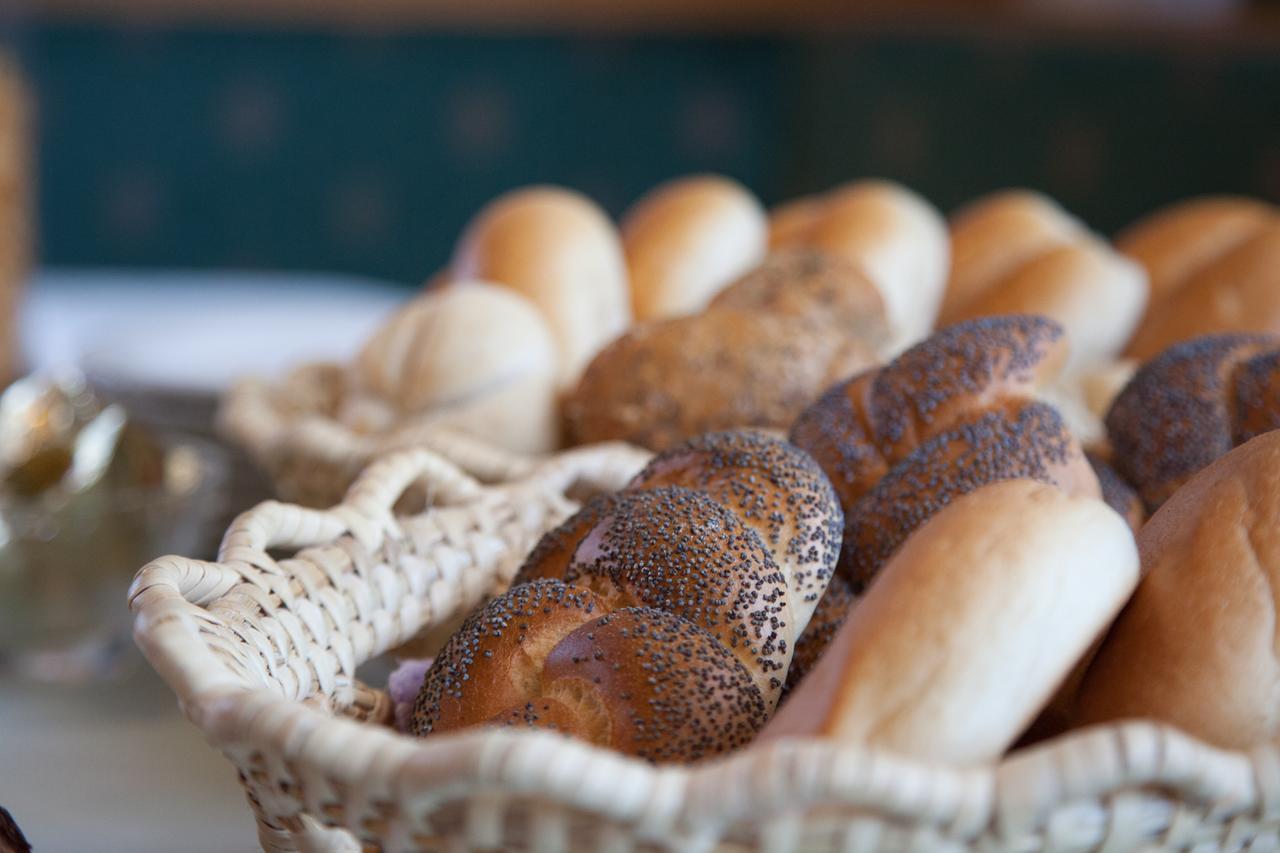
758 785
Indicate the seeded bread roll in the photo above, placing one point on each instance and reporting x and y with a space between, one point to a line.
1117 493
687 239
1190 405
994 236
559 249
970 627
471 356
837 432
677 550
1018 440
776 489
833 608
1196 646
812 285
663 382
1237 292
1177 241
638 680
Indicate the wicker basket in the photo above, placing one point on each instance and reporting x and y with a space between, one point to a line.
312 457
261 649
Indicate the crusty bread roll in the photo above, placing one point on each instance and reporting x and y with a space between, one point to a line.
665 381
472 356
970 628
1190 405
1178 241
638 680
559 249
1237 292
817 286
833 608
687 239
776 489
678 550
1197 647
994 236
900 241
1096 294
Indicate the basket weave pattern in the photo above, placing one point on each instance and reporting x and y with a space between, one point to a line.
262 650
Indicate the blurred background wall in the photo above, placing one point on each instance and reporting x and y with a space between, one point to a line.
280 143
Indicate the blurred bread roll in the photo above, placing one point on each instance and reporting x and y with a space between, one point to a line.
899 241
1178 241
1237 292
687 239
791 223
994 236
472 356
1197 646
669 380
970 628
559 249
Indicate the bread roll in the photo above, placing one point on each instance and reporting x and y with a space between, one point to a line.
560 250
638 680
776 489
1096 294
663 382
815 286
471 356
900 242
833 608
1197 648
994 236
837 431
678 550
970 628
1177 241
1117 493
1190 405
1238 292
687 239
791 223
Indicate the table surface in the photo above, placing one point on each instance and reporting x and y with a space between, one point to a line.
115 767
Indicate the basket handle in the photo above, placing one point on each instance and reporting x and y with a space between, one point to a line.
385 481
605 467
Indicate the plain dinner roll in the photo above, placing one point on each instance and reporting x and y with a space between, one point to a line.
687 239
900 241
559 249
995 235
1177 241
1197 646
472 356
971 627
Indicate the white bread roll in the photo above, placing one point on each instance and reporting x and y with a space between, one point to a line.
899 241
688 238
473 356
970 627
1197 646
993 236
1177 241
559 249
1096 294
791 223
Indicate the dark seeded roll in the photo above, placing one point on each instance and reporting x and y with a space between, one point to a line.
958 371
817 286
776 489
1025 440
1118 494
680 551
827 618
1178 413
551 557
835 433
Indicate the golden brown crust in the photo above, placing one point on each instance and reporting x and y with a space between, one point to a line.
1178 414
827 618
1196 648
776 489
817 286
554 553
1023 440
664 382
678 550
1117 492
